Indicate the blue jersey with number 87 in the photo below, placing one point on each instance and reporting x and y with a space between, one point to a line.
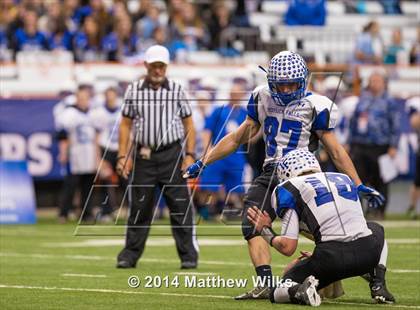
289 127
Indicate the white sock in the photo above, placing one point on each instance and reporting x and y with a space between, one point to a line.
384 254
281 293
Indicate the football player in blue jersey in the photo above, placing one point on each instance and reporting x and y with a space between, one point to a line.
290 118
326 207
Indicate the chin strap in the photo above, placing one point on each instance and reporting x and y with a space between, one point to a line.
262 68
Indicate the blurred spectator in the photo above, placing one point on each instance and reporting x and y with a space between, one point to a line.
97 10
413 107
8 13
391 6
227 175
29 38
119 11
374 131
369 46
61 38
56 25
221 20
48 21
159 36
240 16
78 149
188 27
142 10
146 25
35 5
69 9
106 120
101 15
122 42
394 50
88 42
415 50
304 12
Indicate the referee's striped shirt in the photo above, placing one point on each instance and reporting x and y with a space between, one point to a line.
157 113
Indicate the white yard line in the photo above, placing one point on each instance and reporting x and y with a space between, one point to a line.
369 305
83 275
403 270
158 260
195 273
93 290
159 242
175 294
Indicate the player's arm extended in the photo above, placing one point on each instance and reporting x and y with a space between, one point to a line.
339 155
248 129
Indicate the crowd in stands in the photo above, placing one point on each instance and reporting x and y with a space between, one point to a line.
97 30
118 30
370 47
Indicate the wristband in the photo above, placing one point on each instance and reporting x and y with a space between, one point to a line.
268 234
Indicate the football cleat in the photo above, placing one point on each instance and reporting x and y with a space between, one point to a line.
306 294
259 292
380 294
378 289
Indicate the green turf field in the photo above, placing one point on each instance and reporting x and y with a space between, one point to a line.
45 266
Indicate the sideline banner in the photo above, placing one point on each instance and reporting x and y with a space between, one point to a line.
27 133
17 196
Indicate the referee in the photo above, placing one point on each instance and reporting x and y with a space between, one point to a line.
157 112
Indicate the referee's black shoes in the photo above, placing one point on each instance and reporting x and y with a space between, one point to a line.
188 265
124 264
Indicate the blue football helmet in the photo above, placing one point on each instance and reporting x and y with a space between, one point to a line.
287 67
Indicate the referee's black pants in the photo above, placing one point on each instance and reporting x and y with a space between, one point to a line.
163 169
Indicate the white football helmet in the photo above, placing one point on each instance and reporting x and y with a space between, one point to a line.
295 163
287 67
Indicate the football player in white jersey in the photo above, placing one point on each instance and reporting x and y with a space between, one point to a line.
77 146
289 116
106 120
327 207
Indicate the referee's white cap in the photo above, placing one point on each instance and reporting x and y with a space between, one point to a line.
157 53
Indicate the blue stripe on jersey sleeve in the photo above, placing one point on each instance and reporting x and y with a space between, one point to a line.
322 121
253 109
285 201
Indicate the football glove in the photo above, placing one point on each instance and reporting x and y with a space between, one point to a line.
194 170
375 199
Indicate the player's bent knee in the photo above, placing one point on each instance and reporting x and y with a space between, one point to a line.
376 228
